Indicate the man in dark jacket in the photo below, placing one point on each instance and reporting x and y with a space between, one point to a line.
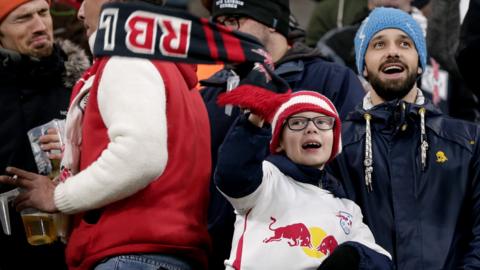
36 76
414 171
298 65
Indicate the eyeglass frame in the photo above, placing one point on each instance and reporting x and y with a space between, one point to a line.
231 18
308 119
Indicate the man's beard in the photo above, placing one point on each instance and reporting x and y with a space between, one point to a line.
392 89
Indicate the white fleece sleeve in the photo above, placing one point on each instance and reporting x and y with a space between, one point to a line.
132 104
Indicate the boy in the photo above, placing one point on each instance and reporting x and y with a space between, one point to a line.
285 219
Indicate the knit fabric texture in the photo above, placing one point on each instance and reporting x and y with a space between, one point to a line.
303 101
7 6
272 13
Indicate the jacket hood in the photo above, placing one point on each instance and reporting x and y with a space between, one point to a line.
300 173
76 61
392 117
188 72
66 63
299 51
388 111
307 174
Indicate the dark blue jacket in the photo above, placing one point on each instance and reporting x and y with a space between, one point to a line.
303 70
426 219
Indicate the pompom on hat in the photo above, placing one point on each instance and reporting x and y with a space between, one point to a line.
387 18
7 6
276 108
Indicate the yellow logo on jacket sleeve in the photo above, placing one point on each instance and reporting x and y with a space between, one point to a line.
441 157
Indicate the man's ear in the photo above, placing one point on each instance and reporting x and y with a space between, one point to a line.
365 72
419 71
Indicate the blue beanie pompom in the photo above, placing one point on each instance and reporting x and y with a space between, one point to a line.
384 18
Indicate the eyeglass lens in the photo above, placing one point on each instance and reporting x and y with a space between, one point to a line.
230 21
321 122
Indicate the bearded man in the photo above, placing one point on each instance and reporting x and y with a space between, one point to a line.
414 171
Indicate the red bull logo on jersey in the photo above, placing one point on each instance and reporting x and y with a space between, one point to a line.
297 234
345 221
313 241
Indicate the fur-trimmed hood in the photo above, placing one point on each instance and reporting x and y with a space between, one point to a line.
76 62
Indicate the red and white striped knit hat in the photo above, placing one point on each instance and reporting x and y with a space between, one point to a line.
276 108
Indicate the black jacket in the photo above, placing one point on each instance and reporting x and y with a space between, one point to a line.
32 92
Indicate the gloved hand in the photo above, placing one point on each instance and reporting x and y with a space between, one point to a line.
344 257
261 92
261 75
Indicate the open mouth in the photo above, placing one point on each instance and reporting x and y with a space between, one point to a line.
392 68
311 145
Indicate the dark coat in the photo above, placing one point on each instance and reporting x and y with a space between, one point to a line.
32 92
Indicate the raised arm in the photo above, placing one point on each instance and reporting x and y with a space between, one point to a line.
239 169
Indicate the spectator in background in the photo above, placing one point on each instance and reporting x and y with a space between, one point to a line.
414 172
138 181
36 76
443 34
469 49
423 5
331 14
300 66
65 22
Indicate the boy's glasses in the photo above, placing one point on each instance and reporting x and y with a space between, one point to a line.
298 123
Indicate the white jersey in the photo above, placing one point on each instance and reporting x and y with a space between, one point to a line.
286 224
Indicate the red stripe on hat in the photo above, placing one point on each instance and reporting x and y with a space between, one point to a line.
258 100
210 38
310 102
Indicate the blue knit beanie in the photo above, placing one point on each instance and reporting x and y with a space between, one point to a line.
384 18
